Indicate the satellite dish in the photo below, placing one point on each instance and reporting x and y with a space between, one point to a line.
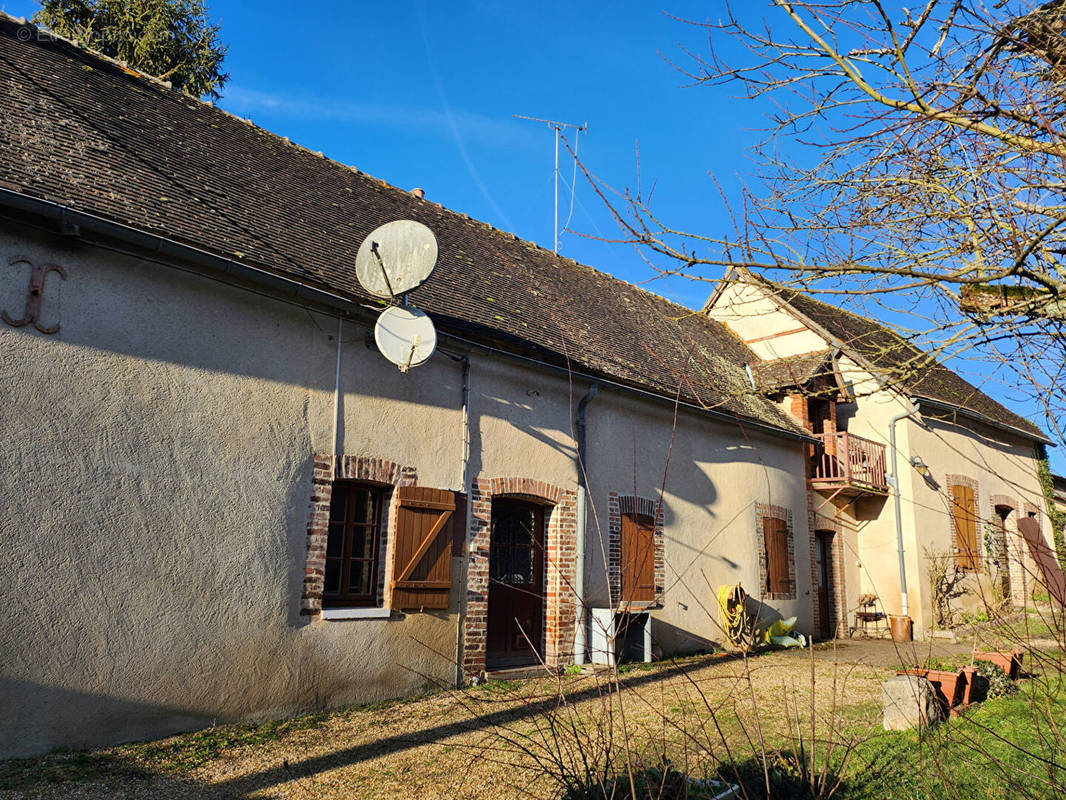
405 336
396 258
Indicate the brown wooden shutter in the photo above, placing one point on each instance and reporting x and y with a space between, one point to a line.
638 559
421 566
965 516
775 536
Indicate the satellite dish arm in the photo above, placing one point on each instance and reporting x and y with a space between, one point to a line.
384 272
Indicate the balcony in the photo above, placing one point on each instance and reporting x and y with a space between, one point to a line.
849 465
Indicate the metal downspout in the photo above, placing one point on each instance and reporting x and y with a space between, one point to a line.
581 429
464 562
893 481
337 391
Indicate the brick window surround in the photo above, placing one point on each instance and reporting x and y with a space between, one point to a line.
617 506
327 469
767 511
963 480
560 604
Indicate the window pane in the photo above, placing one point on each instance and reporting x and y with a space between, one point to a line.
363 511
335 542
333 577
362 542
521 566
338 504
359 580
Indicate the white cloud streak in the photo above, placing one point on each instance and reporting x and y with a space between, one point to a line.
487 131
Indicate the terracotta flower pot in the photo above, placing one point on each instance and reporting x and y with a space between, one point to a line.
948 685
1010 661
967 691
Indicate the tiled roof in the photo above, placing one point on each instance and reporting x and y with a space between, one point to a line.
791 371
904 365
82 131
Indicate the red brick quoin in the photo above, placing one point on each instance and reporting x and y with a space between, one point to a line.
560 604
328 469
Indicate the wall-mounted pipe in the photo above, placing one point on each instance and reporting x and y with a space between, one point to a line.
337 390
581 431
893 481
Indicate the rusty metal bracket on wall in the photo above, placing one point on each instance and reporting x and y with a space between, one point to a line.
33 298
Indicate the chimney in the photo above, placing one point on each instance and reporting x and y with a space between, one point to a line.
419 193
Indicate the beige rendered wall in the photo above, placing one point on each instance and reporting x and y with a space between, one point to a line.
156 483
1004 468
760 322
711 475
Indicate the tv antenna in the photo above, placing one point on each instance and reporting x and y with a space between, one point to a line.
558 128
393 260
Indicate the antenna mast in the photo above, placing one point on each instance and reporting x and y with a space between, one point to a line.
557 127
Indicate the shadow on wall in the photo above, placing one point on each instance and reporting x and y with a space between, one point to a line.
78 720
675 641
672 640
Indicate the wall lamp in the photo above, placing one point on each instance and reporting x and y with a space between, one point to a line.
927 474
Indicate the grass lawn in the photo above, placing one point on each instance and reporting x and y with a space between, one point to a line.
486 741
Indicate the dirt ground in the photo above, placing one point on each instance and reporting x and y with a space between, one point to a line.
487 741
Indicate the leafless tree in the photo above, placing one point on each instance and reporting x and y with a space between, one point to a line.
914 158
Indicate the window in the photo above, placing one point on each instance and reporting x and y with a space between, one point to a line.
964 519
352 547
638 558
775 540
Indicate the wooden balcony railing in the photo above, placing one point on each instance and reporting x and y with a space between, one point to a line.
846 460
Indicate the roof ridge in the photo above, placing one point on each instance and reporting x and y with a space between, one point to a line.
84 48
136 73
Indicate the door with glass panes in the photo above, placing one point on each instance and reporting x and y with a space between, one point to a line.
516 584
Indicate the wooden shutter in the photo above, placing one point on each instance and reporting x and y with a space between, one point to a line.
421 566
965 517
775 536
638 559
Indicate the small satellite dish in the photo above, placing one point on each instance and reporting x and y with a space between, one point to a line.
405 336
396 258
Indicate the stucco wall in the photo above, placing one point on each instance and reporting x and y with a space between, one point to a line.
156 484
761 323
710 477
156 476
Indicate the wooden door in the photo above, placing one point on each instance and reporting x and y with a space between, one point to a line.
823 558
516 585
638 559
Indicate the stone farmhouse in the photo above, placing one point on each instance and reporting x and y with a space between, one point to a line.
220 502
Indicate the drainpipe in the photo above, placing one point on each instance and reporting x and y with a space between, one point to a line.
893 481
581 429
337 391
464 478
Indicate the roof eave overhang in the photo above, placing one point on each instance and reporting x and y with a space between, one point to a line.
929 402
221 267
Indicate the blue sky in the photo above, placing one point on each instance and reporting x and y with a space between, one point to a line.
424 94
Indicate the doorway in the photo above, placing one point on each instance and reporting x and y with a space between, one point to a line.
514 637
823 556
